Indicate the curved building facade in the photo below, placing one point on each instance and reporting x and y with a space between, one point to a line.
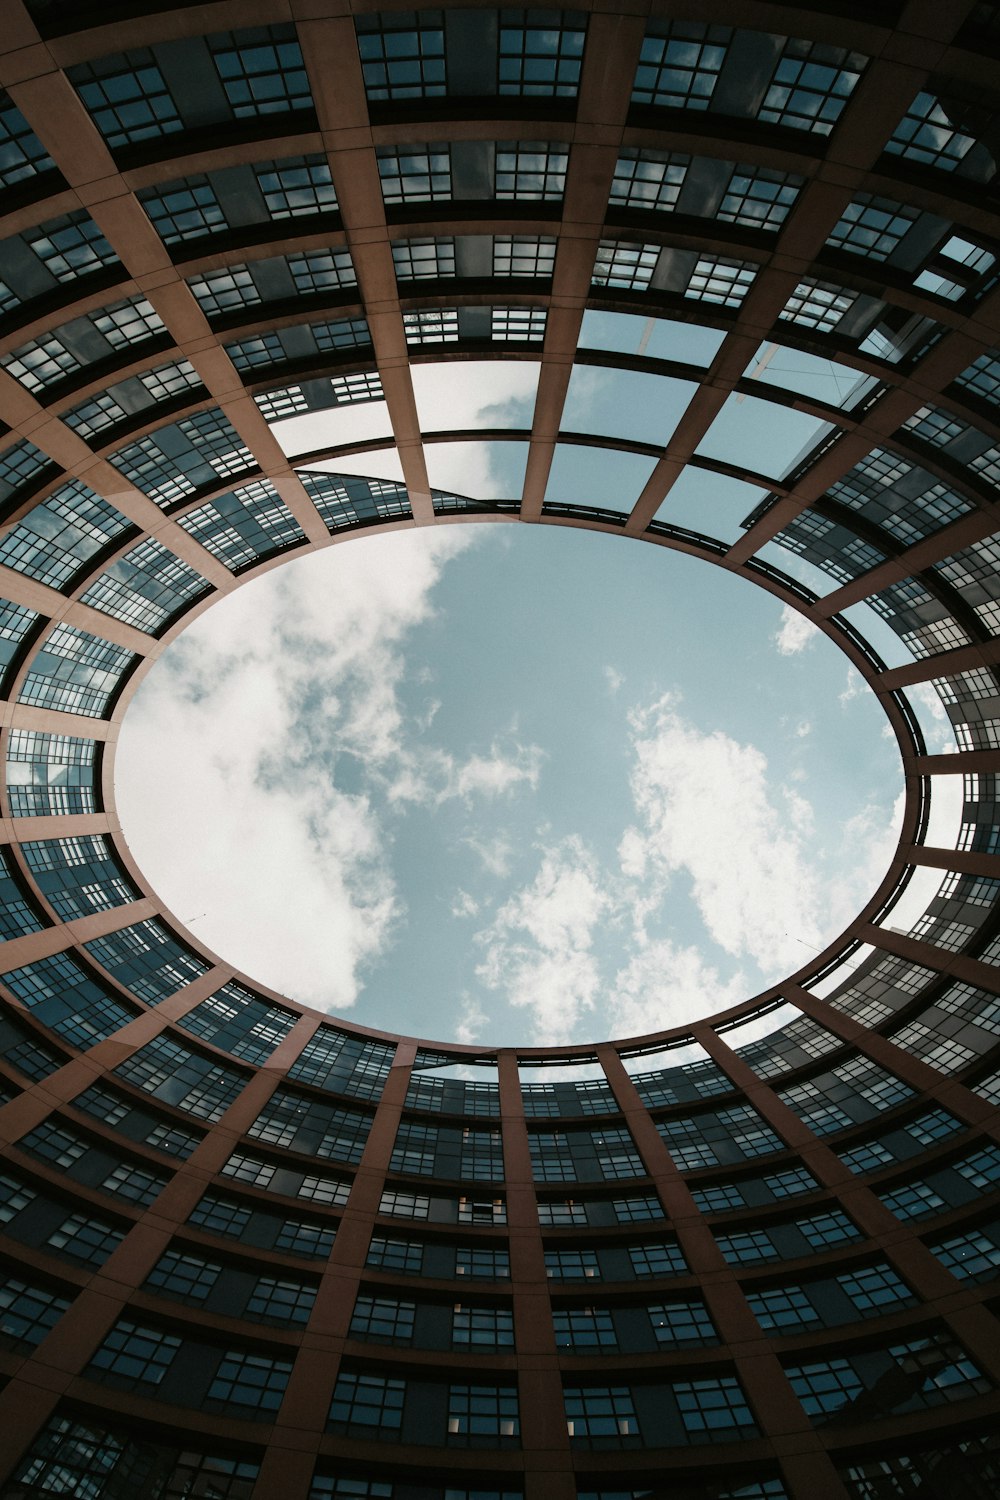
256 1253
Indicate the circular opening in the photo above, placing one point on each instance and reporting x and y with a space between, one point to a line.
494 783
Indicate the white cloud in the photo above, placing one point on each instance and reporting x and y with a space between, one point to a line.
239 731
795 633
665 985
614 679
471 1021
708 811
539 948
464 905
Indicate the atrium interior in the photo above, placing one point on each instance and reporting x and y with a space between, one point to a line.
255 1252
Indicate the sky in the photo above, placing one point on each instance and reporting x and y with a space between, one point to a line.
498 783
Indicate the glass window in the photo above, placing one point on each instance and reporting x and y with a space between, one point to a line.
71 246
482 1263
367 1402
711 1406
279 1300
250 1381
415 174
261 70
930 135
572 1265
660 1259
676 1324
680 64
539 58
185 1276
384 1320
481 1327
136 1355
296 186
649 179
487 1411
183 210
403 1256
759 197
402 56
59 536
22 155
811 84
127 97
600 1412
28 1312
783 1309
584 1328
530 170
624 265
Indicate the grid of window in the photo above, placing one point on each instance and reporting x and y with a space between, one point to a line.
415 174
530 170
182 1078
872 226
648 179
713 1406
367 1402
183 210
22 155
403 1256
59 536
475 1328
384 1320
679 65
136 1355
244 526
402 56
71 246
482 1263
78 875
783 1310
135 1184
716 279
538 58
572 1265
676 1324
316 272
518 324
296 1122
431 326
759 197
28 1312
416 260
487 1411
927 134
663 1258
240 1023
584 1329
278 1300
296 186
529 255
344 501
127 97
600 1412
261 70
971 1256
184 1276
16 915
811 84
61 995
146 587
189 455
89 1241
817 304
147 959
21 466
627 266
252 1382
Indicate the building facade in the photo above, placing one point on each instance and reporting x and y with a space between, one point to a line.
256 1253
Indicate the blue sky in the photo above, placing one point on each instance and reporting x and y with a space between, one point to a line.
500 783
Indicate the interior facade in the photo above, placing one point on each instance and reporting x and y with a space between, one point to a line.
256 1253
